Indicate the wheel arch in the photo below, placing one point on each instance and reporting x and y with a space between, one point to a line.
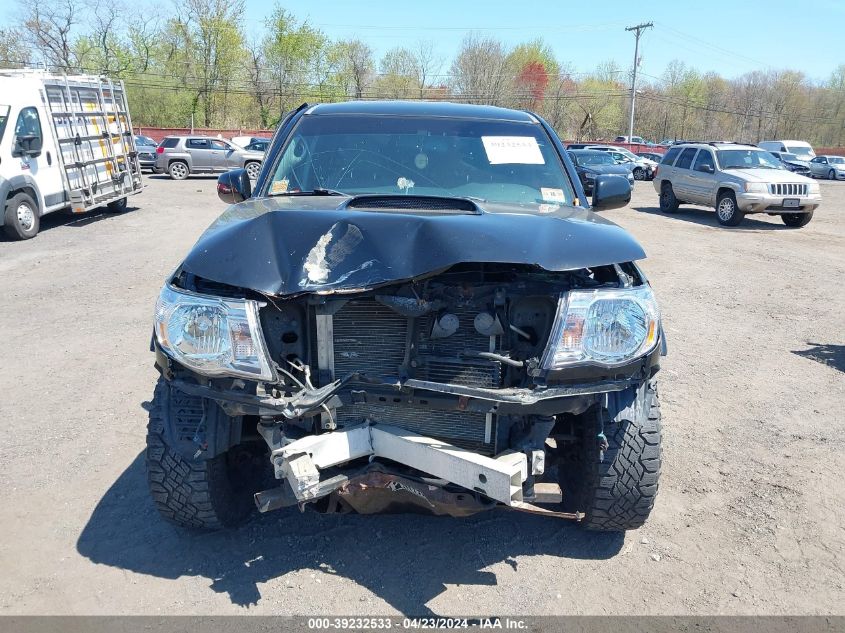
22 183
726 187
196 428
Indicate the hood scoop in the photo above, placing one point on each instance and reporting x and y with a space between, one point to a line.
422 205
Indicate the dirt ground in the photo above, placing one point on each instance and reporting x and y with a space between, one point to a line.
750 518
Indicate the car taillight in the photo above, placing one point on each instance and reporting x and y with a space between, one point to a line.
656 167
159 150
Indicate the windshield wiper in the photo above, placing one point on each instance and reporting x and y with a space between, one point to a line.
319 191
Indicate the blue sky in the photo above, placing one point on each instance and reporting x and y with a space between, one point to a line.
729 37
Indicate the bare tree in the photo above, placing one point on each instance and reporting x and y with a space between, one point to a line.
428 65
480 73
49 28
358 65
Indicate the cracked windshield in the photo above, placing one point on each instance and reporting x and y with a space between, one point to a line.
495 161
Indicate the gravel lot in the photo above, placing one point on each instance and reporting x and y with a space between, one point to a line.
749 519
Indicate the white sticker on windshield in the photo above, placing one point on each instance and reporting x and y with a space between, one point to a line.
503 150
552 195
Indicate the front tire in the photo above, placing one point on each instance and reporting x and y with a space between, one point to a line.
639 173
796 220
20 220
668 202
619 483
727 210
209 494
831 175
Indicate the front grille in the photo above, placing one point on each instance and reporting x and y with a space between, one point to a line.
371 338
788 189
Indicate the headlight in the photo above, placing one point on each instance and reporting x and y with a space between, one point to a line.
758 187
813 188
213 336
589 175
607 327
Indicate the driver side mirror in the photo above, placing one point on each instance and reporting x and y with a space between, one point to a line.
707 169
610 192
27 145
234 186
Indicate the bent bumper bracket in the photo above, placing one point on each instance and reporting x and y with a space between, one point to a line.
299 462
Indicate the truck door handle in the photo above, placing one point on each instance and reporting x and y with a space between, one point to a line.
49 159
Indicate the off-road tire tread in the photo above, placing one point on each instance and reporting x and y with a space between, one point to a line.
193 494
621 489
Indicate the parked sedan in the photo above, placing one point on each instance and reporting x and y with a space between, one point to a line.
793 163
642 168
591 163
651 156
146 148
830 167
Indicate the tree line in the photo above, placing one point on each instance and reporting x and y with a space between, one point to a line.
198 64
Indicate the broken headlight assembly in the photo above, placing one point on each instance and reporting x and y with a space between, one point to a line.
211 335
606 327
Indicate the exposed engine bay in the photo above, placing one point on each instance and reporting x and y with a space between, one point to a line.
439 377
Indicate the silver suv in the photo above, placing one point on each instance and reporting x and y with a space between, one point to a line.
181 156
736 180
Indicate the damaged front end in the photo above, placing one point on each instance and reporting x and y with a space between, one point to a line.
449 392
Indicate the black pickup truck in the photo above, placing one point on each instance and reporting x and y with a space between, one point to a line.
415 309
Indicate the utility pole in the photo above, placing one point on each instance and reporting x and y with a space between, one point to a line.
637 31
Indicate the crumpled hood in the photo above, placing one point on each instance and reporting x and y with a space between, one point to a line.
799 163
289 245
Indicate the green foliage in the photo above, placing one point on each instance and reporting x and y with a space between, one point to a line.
194 64
13 52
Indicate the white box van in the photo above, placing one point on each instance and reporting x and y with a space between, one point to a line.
802 149
65 143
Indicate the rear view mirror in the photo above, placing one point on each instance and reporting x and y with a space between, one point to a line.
610 192
28 145
234 186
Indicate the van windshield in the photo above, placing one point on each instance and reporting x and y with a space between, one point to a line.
801 152
4 117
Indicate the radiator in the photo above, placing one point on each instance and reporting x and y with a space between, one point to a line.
371 338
